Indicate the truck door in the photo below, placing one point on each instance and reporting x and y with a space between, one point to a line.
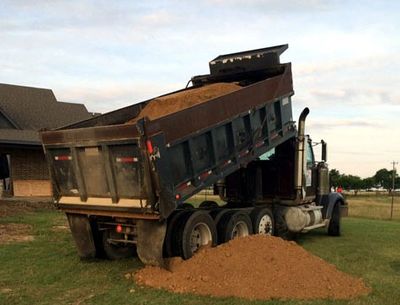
310 170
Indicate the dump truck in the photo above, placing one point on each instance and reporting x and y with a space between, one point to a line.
125 179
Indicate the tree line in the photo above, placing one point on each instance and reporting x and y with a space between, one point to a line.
381 179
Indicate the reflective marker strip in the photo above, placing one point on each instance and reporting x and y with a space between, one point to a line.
205 175
183 186
62 158
259 144
127 159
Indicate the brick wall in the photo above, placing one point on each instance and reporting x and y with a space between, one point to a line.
29 165
29 173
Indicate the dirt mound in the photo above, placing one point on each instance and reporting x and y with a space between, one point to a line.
255 267
15 232
165 105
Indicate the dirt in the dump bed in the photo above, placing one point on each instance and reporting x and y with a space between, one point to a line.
255 267
165 105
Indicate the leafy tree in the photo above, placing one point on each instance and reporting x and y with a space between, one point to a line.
334 176
350 182
368 183
383 178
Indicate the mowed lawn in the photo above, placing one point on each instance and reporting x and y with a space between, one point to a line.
48 271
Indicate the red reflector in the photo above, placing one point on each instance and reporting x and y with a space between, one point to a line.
62 158
177 196
127 159
118 229
149 146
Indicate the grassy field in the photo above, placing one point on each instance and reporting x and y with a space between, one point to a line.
48 271
373 206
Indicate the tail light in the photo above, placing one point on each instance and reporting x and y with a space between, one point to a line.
62 158
149 146
118 228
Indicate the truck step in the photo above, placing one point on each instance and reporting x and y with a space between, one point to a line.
319 225
311 208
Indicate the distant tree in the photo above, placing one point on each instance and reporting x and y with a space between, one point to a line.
334 176
397 182
368 183
350 182
384 178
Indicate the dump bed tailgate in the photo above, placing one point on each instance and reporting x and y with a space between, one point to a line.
98 168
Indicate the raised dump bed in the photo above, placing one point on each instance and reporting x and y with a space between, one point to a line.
176 145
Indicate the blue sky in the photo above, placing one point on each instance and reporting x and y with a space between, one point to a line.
108 54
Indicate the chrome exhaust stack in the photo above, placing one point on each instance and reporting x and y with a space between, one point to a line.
299 157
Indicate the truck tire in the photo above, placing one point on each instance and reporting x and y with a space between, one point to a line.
82 234
233 224
208 204
334 228
185 206
216 214
170 249
97 238
263 221
116 251
196 231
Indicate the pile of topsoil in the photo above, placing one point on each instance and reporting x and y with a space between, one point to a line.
165 105
255 267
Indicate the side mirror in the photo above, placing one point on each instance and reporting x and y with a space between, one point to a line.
324 151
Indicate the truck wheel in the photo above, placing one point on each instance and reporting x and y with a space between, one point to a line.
198 230
334 223
82 234
234 224
208 204
216 214
97 238
169 241
263 221
116 251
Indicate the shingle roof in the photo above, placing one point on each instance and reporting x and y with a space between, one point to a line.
30 109
36 108
15 136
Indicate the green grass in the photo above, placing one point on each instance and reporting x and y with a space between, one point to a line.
48 271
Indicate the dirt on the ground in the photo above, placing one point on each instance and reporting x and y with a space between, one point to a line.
165 105
60 228
15 232
255 267
10 207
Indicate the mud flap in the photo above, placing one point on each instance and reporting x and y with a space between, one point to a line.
150 241
82 234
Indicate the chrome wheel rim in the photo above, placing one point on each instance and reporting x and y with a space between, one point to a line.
265 225
240 229
200 236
